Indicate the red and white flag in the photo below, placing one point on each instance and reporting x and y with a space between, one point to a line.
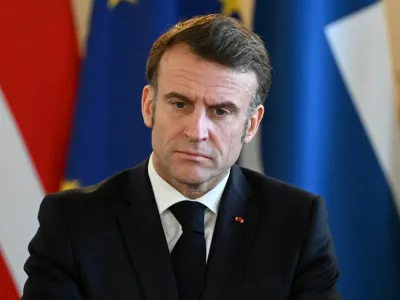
39 61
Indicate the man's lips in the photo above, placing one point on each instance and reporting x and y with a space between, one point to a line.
194 154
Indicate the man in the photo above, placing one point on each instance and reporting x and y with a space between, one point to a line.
188 223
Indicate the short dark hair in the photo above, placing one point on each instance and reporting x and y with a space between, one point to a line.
221 39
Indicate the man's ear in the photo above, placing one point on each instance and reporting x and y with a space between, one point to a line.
253 124
147 105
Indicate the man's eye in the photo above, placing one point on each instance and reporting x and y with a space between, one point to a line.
220 112
180 104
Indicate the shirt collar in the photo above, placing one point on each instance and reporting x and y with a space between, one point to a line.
166 195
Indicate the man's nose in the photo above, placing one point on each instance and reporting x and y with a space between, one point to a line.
197 126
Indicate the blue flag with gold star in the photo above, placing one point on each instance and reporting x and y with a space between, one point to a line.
108 134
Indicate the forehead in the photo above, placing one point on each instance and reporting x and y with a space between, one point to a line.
180 68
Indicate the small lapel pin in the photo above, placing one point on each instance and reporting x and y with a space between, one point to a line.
239 219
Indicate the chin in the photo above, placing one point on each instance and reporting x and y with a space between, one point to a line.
191 176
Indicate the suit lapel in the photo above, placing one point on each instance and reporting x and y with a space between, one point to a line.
231 240
145 239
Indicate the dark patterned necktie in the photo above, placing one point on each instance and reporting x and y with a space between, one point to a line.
189 254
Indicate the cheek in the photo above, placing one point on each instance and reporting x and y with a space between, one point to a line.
228 139
235 139
165 131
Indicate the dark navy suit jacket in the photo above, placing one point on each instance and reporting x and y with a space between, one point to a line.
107 242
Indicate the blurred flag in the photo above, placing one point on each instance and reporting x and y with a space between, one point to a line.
393 16
39 63
108 133
331 128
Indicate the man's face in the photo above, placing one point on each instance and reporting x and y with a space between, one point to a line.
199 119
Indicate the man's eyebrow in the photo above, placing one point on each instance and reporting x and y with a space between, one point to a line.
176 95
224 104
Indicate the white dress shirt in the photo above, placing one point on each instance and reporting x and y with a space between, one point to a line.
166 196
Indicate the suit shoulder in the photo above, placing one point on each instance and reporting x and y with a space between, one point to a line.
262 184
110 186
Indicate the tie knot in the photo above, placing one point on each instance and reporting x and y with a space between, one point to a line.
190 214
